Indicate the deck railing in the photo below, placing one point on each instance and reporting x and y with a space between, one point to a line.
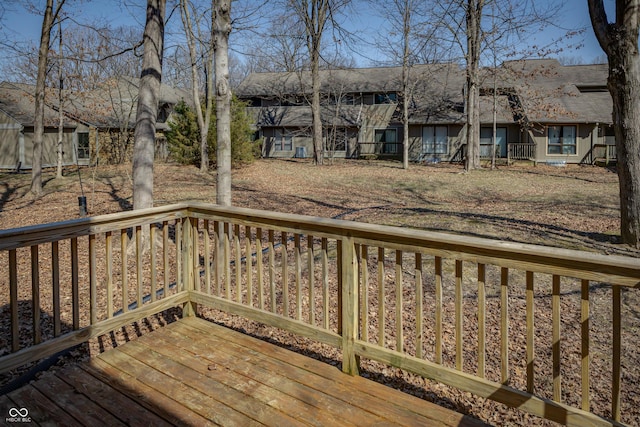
532 327
520 151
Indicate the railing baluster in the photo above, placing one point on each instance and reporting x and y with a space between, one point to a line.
325 283
399 331
165 257
482 301
124 270
13 298
35 294
238 261
364 291
93 281
75 293
504 325
108 248
179 252
227 260
272 271
381 297
298 273
139 250
419 305
617 353
55 282
459 314
555 315
259 267
438 316
218 257
311 270
584 329
249 264
153 261
530 300
195 254
207 256
285 274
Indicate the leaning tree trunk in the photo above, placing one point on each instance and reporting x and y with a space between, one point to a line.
222 29
147 113
619 40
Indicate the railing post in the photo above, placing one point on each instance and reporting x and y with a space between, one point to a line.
349 314
189 251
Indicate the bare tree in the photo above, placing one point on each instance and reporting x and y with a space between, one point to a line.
619 40
203 118
222 29
147 112
50 16
316 15
467 22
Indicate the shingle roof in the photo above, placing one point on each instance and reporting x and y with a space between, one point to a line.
112 106
17 101
547 91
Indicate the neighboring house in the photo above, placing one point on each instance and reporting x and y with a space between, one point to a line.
99 124
543 112
17 110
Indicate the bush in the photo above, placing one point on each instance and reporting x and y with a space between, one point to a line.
183 137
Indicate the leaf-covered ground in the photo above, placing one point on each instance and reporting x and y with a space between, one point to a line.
573 207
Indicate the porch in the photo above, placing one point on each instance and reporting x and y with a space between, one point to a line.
466 312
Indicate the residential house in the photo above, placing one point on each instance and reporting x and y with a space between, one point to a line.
98 124
542 111
16 131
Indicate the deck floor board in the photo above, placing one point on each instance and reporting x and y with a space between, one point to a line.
194 372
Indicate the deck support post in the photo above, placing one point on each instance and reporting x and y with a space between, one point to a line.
349 314
189 253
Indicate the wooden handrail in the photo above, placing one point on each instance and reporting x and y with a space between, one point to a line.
267 266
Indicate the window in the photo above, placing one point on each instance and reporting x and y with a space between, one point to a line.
385 98
388 139
562 140
83 146
283 141
434 140
486 141
336 139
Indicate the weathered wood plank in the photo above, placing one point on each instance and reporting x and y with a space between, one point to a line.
530 298
555 348
482 320
399 310
78 405
438 316
459 322
243 392
504 325
110 399
218 403
41 409
158 403
584 330
390 404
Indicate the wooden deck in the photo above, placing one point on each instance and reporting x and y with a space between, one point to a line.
193 372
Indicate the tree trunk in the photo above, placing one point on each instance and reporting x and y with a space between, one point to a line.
624 85
222 30
318 152
406 95
60 105
473 18
38 119
147 113
203 125
620 42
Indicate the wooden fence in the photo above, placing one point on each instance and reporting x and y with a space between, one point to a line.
520 151
532 327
